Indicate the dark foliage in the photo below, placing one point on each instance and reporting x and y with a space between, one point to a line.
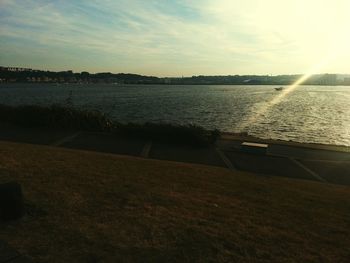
186 134
55 116
67 117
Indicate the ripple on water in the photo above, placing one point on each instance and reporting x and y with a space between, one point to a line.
309 114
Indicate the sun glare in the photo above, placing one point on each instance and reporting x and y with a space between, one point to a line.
286 91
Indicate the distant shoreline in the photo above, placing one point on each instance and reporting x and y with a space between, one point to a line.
28 75
167 84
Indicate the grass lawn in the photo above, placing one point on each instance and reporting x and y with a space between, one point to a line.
93 207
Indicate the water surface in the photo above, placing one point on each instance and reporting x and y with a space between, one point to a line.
317 114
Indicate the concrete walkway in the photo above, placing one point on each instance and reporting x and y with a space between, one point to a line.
282 159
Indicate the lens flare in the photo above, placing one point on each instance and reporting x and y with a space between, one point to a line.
282 94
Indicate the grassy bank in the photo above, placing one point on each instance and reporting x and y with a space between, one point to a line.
90 207
66 117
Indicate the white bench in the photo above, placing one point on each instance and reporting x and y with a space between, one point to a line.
253 147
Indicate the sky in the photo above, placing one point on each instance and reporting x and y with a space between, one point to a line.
177 37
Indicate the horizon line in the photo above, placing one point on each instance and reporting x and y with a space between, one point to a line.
183 76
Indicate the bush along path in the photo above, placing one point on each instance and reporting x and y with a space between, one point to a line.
68 117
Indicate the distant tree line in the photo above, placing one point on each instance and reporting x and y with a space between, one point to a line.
69 76
28 75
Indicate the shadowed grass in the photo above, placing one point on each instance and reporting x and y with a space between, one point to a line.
90 207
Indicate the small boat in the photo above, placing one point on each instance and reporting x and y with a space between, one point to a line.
279 88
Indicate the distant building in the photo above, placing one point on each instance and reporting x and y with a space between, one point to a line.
14 69
167 80
328 79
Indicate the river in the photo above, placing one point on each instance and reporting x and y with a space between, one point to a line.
316 114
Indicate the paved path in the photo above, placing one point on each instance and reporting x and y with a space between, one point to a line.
146 149
308 170
226 160
289 160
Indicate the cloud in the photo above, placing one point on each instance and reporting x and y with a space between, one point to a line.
181 37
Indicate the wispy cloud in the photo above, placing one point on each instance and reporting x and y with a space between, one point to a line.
180 37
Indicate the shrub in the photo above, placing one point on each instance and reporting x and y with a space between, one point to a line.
55 116
186 134
67 117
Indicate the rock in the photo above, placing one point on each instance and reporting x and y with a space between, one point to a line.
11 201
